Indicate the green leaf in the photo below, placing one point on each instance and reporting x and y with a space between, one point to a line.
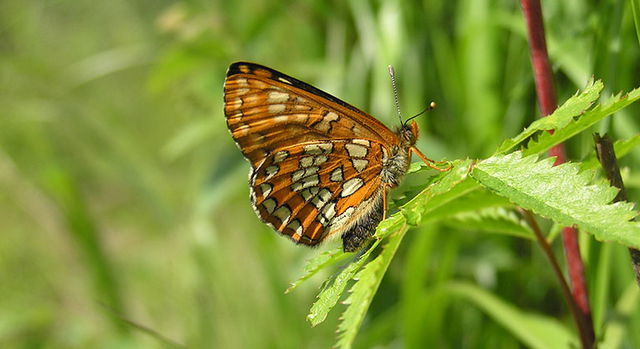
533 330
562 194
591 117
452 185
362 292
560 118
330 295
472 201
492 220
318 263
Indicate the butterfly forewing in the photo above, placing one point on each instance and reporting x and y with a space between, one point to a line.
267 110
318 163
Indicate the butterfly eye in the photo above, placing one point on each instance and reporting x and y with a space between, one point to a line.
410 133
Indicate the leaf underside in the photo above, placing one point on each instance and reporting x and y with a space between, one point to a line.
561 193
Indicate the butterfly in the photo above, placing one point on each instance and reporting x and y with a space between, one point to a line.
320 168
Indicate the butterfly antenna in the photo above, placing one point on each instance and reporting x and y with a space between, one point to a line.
392 73
431 106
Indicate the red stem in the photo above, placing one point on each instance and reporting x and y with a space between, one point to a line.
547 99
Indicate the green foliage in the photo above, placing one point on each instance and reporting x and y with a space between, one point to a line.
533 330
588 119
561 193
319 262
367 283
574 106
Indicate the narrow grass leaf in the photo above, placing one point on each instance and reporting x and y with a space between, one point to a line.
635 10
615 330
533 330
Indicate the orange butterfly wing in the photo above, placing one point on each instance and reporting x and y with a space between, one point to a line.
267 109
316 160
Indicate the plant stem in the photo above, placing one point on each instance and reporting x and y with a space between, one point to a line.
607 157
546 96
566 291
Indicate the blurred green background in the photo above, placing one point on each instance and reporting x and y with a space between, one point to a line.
125 218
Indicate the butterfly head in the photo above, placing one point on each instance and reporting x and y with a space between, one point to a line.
409 130
409 133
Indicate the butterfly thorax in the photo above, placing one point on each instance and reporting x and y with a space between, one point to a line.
396 163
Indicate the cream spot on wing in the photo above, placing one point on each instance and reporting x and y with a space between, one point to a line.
277 97
321 159
356 150
306 183
252 99
284 80
309 193
237 102
241 91
301 107
276 108
271 171
281 119
266 188
306 161
300 100
364 142
326 214
351 186
282 213
343 218
329 211
359 164
317 149
297 228
313 160
269 205
325 124
298 118
305 172
242 82
336 175
321 199
280 156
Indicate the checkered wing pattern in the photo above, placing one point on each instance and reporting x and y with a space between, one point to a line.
320 166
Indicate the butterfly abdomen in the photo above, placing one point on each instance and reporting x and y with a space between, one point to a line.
361 231
395 165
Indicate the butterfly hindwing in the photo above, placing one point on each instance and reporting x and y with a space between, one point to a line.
314 190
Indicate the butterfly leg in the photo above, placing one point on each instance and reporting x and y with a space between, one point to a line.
384 201
429 162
